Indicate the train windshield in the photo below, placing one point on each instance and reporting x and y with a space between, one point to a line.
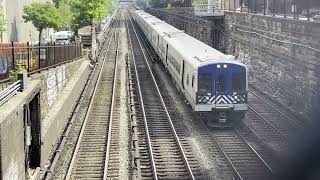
239 82
204 83
221 83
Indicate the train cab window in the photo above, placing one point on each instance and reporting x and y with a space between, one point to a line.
204 83
192 81
239 82
221 83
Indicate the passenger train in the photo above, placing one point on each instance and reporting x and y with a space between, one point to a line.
214 84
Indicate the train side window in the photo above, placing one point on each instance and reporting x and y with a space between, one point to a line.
221 83
204 83
192 81
187 79
239 82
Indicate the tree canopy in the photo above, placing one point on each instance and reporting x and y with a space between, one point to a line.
42 16
3 23
64 9
88 11
66 14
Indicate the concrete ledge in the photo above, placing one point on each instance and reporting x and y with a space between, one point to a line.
59 112
12 154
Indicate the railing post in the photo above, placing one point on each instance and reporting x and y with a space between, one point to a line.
64 52
234 5
308 9
264 7
68 51
255 6
12 52
28 54
284 9
39 55
47 55
295 14
241 5
22 76
54 53
274 8
229 5
248 6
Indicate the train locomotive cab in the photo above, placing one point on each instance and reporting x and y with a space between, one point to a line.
221 98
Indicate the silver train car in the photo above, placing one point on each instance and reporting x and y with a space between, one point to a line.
214 84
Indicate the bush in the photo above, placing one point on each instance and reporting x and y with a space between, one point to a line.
13 74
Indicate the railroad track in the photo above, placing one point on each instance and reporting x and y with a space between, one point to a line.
162 155
245 161
91 155
271 125
231 167
285 124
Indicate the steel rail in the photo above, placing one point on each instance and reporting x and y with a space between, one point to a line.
246 143
163 104
281 113
105 173
143 109
49 171
255 152
74 155
269 123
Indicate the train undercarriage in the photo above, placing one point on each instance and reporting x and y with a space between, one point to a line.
221 118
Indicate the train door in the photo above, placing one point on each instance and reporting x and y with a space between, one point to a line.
182 79
167 55
158 45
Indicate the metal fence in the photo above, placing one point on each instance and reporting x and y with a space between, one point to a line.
296 9
207 10
34 58
9 92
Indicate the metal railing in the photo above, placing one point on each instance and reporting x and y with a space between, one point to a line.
35 57
207 10
294 9
9 92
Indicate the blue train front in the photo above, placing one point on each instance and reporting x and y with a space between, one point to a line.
222 93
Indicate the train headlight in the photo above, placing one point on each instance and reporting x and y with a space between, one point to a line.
225 66
218 66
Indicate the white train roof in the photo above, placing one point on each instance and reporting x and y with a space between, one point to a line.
194 51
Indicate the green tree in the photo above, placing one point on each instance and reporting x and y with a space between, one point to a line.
3 23
88 11
64 9
200 2
42 16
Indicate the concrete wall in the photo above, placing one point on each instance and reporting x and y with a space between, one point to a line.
59 88
12 156
282 55
17 29
58 101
